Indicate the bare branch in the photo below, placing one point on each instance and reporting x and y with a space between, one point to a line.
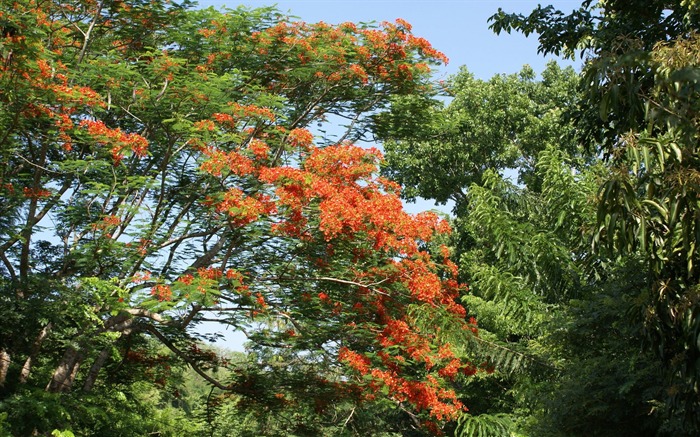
140 312
86 40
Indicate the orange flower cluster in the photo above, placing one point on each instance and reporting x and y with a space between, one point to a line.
254 111
427 395
35 193
243 209
36 71
118 139
210 273
232 162
186 279
162 292
347 53
357 361
260 301
141 277
424 395
111 220
107 222
259 149
300 138
336 187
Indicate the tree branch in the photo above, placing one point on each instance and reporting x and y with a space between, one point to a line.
163 339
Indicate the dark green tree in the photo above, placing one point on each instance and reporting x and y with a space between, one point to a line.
640 110
556 318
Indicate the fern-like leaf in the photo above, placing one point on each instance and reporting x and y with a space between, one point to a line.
484 425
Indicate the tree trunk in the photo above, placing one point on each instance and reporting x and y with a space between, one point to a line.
5 361
62 376
71 378
36 347
95 369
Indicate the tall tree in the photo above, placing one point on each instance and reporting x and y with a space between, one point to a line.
157 172
640 109
512 242
500 124
554 315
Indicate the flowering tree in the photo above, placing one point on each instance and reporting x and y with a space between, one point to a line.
158 171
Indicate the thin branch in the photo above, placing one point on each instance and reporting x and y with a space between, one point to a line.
36 165
162 92
10 268
358 284
352 412
163 339
356 118
188 236
128 112
86 40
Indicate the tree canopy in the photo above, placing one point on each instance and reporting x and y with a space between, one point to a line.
639 108
163 166
158 171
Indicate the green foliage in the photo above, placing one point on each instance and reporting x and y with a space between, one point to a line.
484 425
562 325
503 123
639 107
558 323
156 172
606 383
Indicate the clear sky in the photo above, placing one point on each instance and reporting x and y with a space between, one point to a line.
458 28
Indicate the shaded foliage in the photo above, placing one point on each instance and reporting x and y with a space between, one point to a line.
639 107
